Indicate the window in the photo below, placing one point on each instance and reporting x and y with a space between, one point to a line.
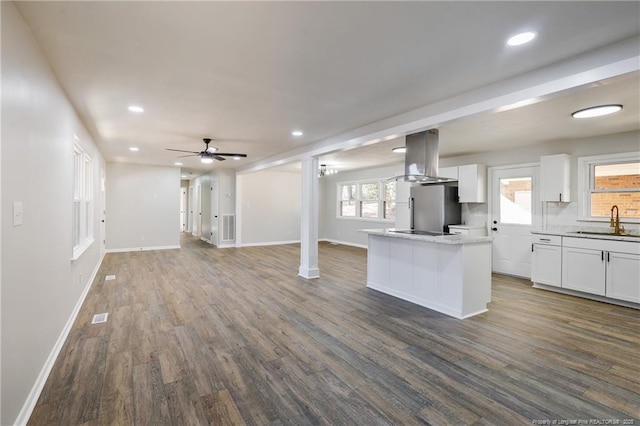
369 199
515 201
390 200
347 200
82 216
375 200
609 180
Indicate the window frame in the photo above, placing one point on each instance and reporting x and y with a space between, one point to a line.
82 214
359 199
586 183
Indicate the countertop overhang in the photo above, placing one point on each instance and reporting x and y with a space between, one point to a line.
438 239
594 236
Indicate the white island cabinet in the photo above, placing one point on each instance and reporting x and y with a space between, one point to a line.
450 274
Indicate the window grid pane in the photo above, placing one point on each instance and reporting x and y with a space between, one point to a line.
617 177
369 191
628 204
348 208
515 201
390 210
369 209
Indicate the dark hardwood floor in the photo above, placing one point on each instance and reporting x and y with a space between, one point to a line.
232 336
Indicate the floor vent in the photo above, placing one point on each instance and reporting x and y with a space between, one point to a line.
110 277
100 318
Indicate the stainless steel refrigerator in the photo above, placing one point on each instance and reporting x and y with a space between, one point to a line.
434 207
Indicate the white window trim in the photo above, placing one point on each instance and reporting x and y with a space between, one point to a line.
584 182
82 193
358 199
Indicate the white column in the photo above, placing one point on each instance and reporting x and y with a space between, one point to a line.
309 220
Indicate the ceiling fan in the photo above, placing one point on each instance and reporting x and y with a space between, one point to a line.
210 153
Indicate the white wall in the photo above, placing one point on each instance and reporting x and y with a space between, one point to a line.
345 230
558 214
41 286
143 207
269 207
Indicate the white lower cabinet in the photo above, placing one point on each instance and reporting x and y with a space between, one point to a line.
583 270
546 264
623 276
603 267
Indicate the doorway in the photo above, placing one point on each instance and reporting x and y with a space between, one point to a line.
183 209
514 213
190 215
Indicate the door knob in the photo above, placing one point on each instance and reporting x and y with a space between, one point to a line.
495 222
494 229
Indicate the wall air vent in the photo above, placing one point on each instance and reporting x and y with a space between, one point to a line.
228 227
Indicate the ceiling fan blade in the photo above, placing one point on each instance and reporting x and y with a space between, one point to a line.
181 150
190 155
228 154
217 157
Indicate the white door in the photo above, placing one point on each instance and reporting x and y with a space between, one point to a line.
190 214
103 213
198 212
183 209
214 213
513 214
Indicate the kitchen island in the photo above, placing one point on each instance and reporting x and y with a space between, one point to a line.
450 274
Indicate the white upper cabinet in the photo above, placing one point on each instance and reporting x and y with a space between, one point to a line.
448 172
555 172
472 183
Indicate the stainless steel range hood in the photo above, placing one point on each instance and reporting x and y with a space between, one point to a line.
421 158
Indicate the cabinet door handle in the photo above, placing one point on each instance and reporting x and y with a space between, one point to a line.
602 255
531 248
608 255
561 197
545 239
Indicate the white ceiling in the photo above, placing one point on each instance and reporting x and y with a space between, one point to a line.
248 73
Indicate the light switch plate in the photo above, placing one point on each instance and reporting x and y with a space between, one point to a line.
17 213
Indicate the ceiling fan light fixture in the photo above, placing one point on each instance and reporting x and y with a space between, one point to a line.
206 160
597 111
399 149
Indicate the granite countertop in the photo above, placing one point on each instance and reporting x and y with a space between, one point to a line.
635 238
439 239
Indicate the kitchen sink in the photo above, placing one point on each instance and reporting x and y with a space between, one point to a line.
610 234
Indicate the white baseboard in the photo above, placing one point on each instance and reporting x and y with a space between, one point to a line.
268 243
344 243
34 394
124 250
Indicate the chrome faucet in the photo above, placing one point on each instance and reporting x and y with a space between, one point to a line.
617 228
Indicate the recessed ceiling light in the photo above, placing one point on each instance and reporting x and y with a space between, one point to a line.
596 111
135 108
183 176
297 133
399 149
177 163
134 148
235 157
521 38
